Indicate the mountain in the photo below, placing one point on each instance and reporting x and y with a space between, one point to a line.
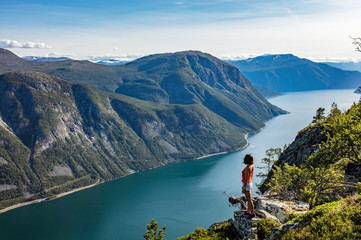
45 59
111 62
57 136
287 73
8 58
189 77
350 66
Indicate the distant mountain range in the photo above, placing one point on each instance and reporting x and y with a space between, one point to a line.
45 59
105 61
287 73
57 135
350 66
111 62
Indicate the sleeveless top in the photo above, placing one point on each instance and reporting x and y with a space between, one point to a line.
249 179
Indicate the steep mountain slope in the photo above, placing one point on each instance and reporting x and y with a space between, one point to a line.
286 73
189 77
267 92
194 77
57 136
8 58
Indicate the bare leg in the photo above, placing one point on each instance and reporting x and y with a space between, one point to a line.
250 207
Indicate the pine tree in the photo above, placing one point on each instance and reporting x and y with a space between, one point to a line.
151 233
320 115
334 110
272 156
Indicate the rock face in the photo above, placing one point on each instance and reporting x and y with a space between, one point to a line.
305 143
265 207
279 209
247 229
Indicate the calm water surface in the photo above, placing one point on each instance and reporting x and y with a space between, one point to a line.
182 196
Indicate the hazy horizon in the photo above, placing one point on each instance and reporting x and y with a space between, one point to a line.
228 29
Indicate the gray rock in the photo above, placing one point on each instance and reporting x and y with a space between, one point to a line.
265 207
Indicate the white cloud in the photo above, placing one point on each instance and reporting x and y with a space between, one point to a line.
16 44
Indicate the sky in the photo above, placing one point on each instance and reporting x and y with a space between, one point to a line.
229 29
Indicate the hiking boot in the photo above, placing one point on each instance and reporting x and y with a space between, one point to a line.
250 216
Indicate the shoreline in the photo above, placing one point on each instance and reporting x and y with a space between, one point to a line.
23 204
209 155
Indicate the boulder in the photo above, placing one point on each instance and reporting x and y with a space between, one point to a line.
265 207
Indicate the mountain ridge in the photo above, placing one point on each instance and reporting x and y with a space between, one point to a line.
188 77
287 73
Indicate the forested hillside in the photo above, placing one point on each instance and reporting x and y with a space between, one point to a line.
56 136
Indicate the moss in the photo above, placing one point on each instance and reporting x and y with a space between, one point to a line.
336 220
265 226
222 232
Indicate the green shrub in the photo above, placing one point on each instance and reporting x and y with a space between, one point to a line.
152 233
358 187
223 232
265 226
336 220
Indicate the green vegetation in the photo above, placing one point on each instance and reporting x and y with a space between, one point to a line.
320 115
225 231
326 178
272 155
265 226
336 220
323 177
152 233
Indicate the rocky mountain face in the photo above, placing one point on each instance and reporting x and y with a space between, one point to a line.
305 143
56 135
189 77
287 73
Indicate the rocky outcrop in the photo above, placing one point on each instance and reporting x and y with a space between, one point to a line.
265 207
306 142
284 228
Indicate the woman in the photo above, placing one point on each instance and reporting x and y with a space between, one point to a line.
247 175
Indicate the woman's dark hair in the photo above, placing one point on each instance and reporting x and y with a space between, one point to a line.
248 159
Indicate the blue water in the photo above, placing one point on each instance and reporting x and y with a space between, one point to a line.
182 196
